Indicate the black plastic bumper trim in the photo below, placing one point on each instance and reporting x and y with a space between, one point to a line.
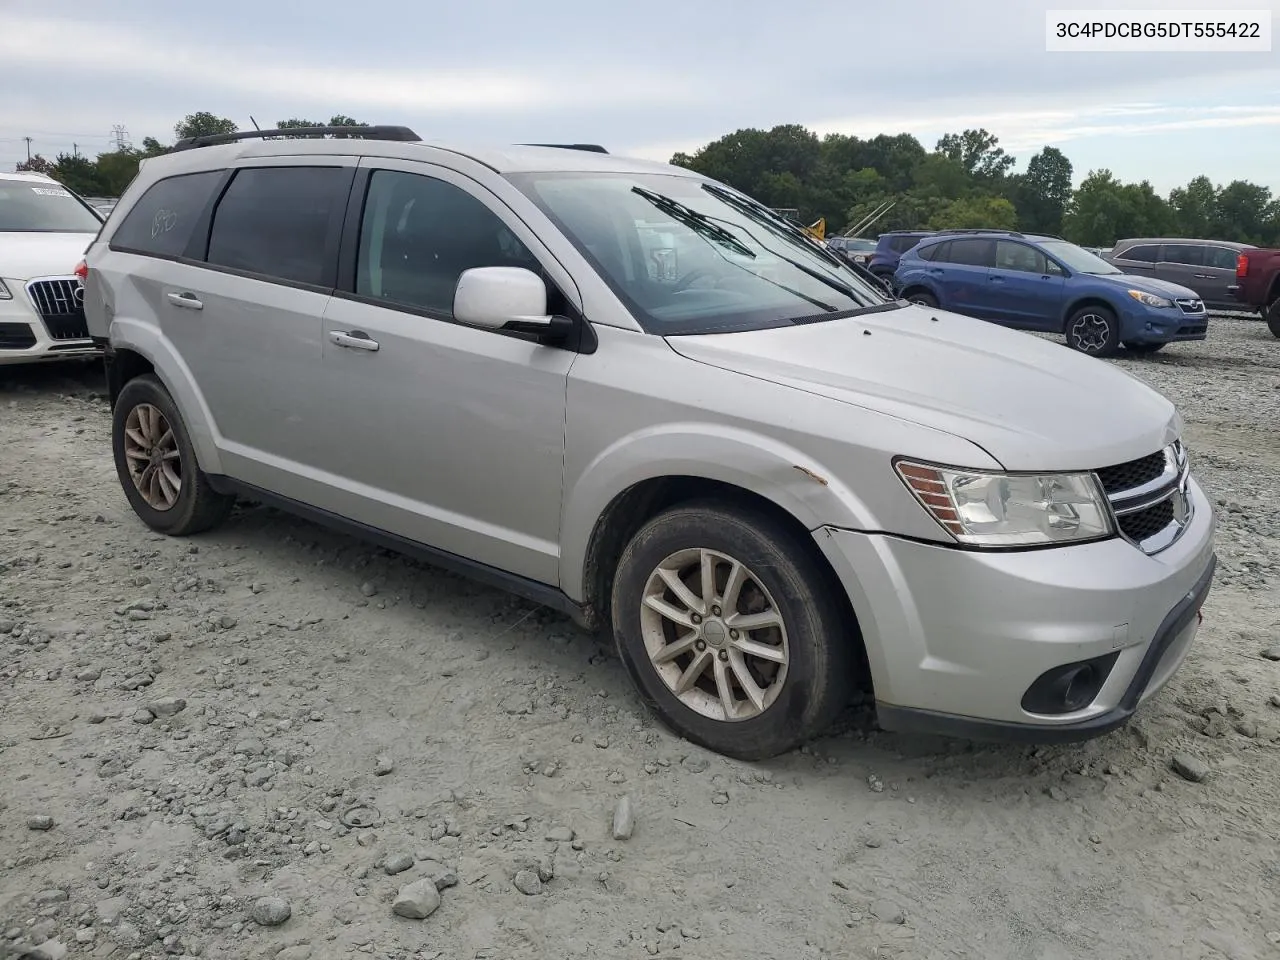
913 720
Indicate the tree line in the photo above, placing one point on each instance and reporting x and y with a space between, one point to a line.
109 173
967 180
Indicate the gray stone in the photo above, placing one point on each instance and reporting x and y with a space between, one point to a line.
271 911
369 588
528 882
1189 767
89 675
40 822
249 747
439 874
49 950
1272 652
417 900
167 707
52 896
624 820
144 716
299 951
109 910
382 765
560 834
398 863
886 911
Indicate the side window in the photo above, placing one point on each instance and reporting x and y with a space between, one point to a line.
903 244
161 222
1191 254
973 253
419 234
1019 257
1145 253
1224 258
939 252
275 221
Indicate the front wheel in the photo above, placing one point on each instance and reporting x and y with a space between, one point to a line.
1094 330
731 631
923 299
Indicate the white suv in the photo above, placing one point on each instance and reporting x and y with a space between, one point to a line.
44 230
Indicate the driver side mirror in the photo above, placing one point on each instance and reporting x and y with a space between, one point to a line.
506 298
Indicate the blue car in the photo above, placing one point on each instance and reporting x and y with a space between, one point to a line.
1045 283
889 250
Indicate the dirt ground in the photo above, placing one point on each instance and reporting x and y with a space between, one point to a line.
272 711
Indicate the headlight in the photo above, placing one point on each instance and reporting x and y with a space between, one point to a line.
984 509
1150 299
4 292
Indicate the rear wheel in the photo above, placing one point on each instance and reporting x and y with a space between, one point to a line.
731 631
1143 347
157 464
1093 330
1273 318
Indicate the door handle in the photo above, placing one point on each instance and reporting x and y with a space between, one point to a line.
995 279
187 301
355 340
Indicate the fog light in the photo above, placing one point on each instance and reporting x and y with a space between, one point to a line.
1070 687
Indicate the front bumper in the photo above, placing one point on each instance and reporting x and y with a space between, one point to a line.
25 337
955 638
1164 326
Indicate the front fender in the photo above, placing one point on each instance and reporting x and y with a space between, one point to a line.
149 342
805 489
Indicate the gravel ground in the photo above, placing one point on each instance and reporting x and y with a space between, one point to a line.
271 741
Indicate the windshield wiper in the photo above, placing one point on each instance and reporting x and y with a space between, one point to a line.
697 222
789 231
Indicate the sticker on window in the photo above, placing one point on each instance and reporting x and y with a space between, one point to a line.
50 191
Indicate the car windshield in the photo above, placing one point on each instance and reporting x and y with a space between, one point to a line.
1077 259
32 206
687 256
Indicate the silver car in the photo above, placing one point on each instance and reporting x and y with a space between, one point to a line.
638 396
1206 266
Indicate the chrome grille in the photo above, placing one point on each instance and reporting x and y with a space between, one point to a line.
1150 498
60 303
1187 305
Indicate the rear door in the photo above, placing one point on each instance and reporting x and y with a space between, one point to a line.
1183 264
1025 287
248 321
963 279
1139 260
1219 275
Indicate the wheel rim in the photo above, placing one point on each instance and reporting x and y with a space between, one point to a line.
920 299
1090 332
155 462
714 635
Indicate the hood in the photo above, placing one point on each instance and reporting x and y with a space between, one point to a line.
1031 403
1161 288
27 255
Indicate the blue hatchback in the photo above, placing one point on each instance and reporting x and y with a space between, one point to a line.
1045 283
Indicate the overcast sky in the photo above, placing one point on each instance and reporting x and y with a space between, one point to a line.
641 78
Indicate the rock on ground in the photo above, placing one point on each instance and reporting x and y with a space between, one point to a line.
417 900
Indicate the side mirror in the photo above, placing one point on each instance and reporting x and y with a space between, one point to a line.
504 298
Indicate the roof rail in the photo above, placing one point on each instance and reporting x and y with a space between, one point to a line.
1007 233
588 147
403 134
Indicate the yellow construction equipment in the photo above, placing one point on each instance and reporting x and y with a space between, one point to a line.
817 229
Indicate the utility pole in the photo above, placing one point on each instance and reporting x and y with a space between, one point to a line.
75 149
121 137
28 139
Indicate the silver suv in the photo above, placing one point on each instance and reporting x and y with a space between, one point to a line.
638 396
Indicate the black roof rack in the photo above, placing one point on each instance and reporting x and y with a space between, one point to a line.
1006 233
588 147
402 134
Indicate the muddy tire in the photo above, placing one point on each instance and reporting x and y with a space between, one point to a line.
732 630
156 463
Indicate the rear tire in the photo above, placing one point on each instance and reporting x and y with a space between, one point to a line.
1093 330
745 691
1273 318
156 463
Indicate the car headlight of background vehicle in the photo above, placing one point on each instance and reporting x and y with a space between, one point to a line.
4 292
1150 299
988 509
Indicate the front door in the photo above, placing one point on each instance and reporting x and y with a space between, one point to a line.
446 434
1025 287
1219 275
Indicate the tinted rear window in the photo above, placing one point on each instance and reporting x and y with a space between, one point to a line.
973 253
161 222
1141 254
1188 253
903 244
275 221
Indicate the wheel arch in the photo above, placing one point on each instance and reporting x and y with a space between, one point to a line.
1088 300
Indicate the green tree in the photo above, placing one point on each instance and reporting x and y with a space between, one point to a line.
151 147
969 213
37 164
1243 213
1105 210
1043 194
203 124
116 170
979 152
79 174
1195 208
338 120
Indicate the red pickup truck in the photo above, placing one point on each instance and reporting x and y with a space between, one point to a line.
1258 284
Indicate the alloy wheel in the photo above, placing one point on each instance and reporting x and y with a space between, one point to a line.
714 634
1090 332
155 461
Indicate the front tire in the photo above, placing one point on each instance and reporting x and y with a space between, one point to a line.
923 299
731 630
156 463
1094 330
